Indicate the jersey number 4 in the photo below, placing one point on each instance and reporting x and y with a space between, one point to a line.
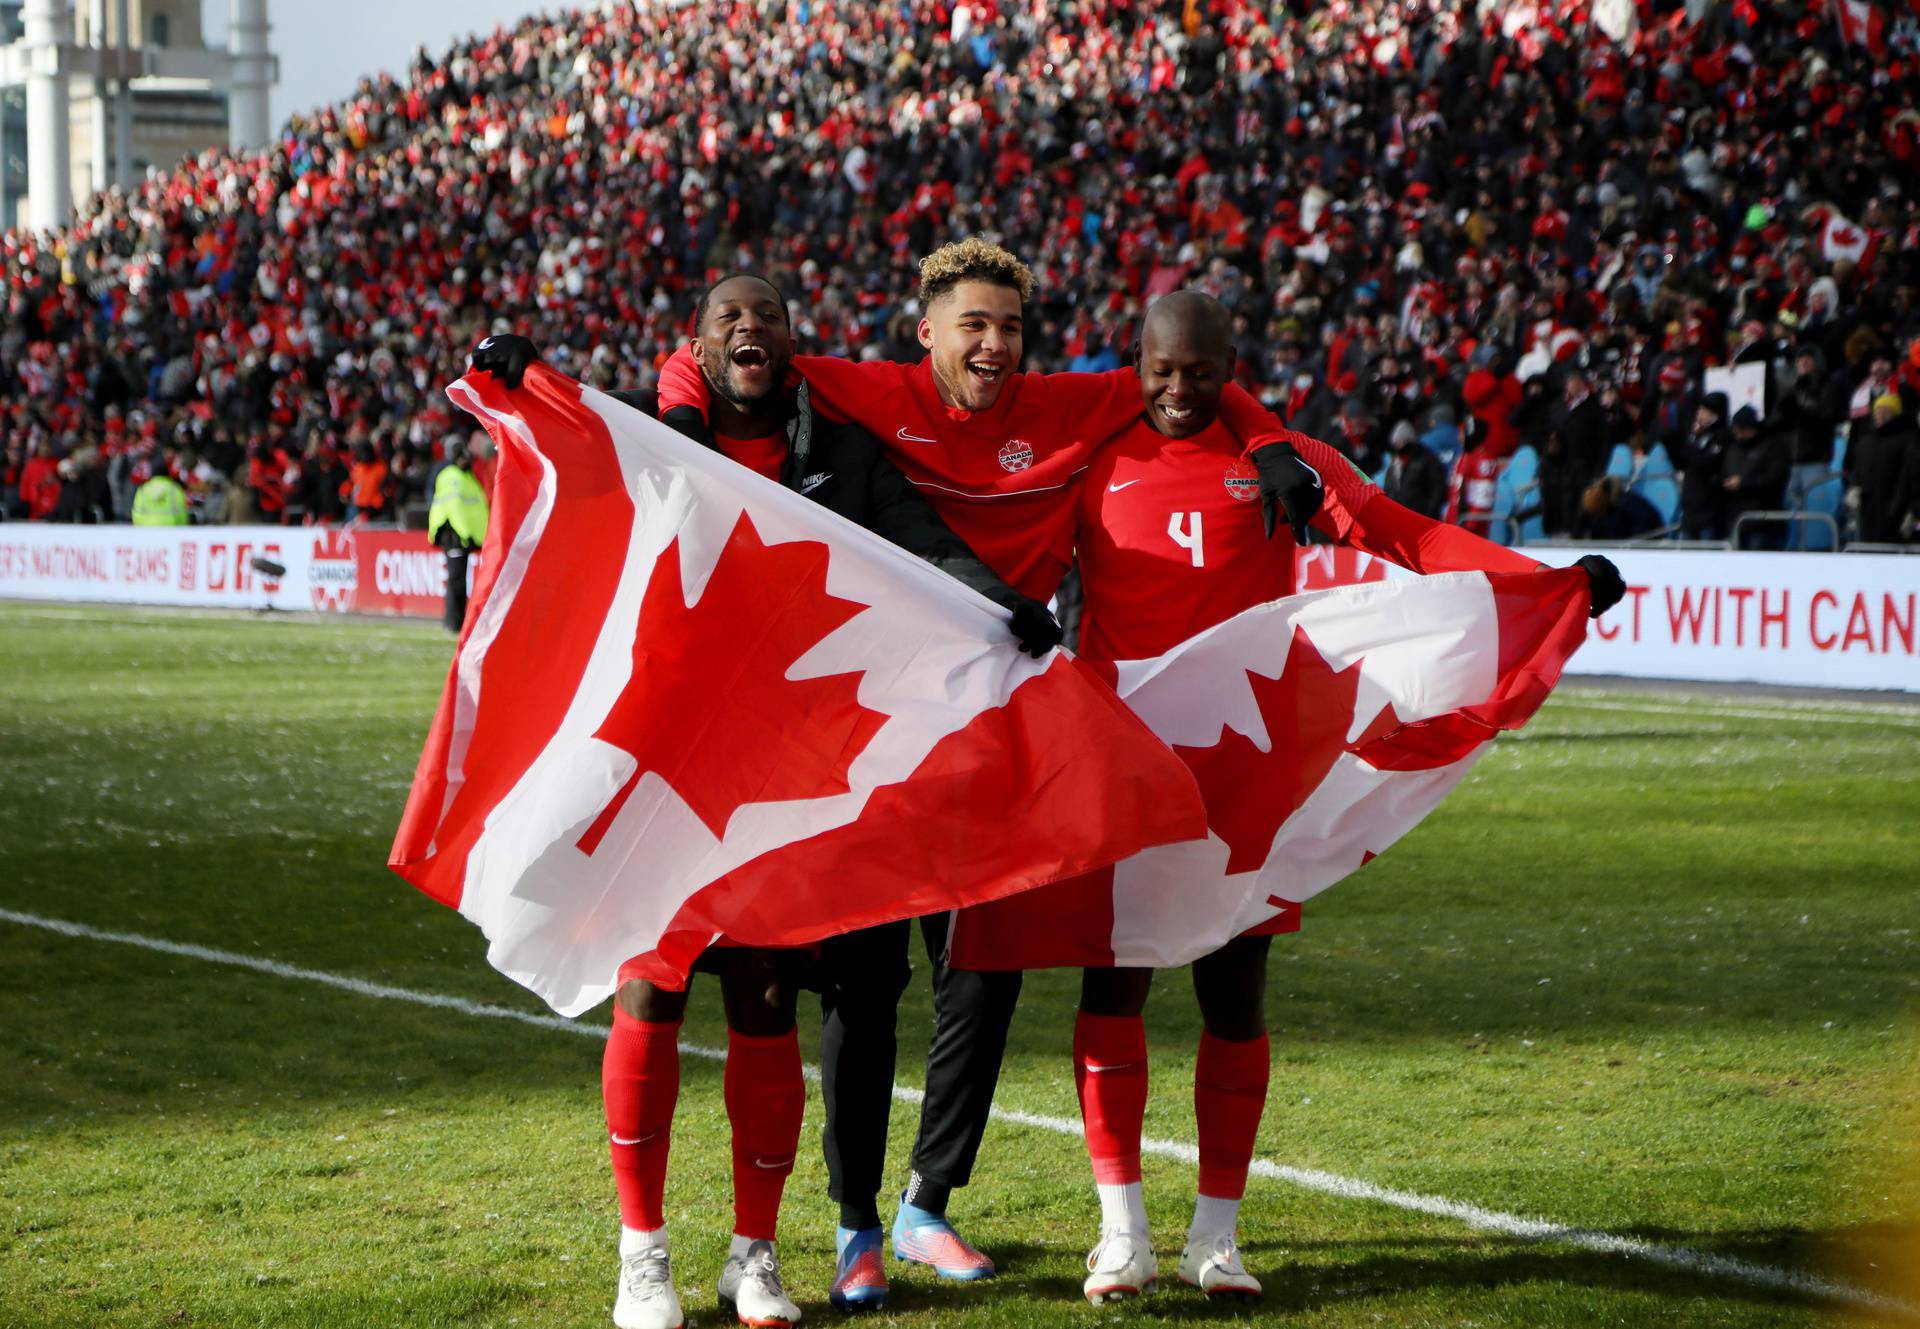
1184 527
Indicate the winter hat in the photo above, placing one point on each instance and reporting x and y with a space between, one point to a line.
1890 400
1746 418
1716 402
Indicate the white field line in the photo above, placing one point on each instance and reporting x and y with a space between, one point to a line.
1892 704
1897 717
1682 1259
381 627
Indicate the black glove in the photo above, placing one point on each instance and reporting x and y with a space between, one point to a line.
1034 628
1604 585
506 356
1287 484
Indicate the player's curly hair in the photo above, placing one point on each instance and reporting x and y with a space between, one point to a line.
971 259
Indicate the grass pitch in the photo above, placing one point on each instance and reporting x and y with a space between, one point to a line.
1652 972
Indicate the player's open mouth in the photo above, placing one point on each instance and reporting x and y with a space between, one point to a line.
985 373
750 355
1176 414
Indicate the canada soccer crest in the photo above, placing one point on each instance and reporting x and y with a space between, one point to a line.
1243 481
1016 454
333 573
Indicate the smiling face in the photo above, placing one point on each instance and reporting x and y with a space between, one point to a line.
974 336
744 343
1184 360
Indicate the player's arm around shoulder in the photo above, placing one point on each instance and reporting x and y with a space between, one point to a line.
1100 406
844 389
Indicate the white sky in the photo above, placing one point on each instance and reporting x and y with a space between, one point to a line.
324 48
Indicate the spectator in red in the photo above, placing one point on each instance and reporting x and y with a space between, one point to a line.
268 474
40 482
365 488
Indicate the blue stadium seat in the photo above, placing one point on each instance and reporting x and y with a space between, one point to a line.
1824 499
1663 492
1656 464
1620 462
1839 449
1516 500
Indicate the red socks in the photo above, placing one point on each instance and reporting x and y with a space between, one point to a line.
640 1081
1229 1091
765 1099
1110 1071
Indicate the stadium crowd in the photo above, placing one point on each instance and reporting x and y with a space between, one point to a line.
1446 234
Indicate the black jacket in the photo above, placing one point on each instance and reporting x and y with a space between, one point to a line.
1885 464
1701 456
1808 412
1415 479
1761 463
840 467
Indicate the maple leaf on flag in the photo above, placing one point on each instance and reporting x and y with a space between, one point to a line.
1308 712
710 709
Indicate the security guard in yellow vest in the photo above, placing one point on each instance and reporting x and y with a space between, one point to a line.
457 522
160 502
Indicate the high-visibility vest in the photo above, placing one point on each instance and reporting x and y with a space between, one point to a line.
459 501
160 502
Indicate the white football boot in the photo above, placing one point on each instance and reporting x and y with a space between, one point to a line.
1121 1266
1214 1267
647 1299
752 1283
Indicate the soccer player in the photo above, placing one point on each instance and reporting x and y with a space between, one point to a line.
999 453
1170 543
743 347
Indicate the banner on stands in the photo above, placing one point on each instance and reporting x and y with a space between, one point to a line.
1813 620
326 569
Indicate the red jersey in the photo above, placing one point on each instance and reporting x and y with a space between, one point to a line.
1004 479
765 455
1171 541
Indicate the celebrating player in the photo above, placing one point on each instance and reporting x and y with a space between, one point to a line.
1170 543
743 347
999 453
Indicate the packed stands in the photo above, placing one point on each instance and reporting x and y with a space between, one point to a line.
1509 239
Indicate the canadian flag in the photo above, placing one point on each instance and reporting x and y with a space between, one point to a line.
1321 728
1861 24
690 703
1840 238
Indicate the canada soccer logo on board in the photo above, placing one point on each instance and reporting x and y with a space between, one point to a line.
333 572
1016 454
1242 481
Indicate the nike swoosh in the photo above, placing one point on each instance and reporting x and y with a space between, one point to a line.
1095 1069
773 1164
1114 489
638 1139
913 438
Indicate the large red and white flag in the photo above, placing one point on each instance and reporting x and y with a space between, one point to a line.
690 703
1321 729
